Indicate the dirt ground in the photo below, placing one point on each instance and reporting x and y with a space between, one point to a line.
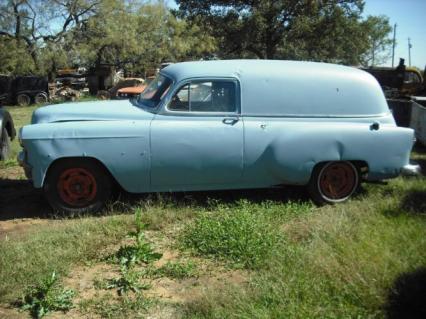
21 206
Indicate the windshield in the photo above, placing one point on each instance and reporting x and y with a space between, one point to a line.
155 91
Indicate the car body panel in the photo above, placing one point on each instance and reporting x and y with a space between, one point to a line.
111 110
75 130
281 151
195 151
276 136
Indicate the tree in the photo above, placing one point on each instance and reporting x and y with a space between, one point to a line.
27 24
377 29
138 36
327 30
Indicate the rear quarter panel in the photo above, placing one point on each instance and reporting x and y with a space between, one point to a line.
280 151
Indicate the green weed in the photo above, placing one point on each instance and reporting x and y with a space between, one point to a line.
141 251
341 262
235 234
47 296
129 280
177 270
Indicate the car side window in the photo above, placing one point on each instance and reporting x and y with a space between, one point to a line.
205 96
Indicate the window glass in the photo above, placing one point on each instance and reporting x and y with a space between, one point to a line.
205 96
180 101
155 91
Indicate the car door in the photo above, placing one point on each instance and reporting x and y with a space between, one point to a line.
197 143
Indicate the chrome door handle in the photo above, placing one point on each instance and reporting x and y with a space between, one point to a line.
230 120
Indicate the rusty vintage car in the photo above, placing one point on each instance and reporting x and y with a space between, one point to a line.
220 125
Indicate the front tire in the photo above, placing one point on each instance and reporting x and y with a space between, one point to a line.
333 182
75 186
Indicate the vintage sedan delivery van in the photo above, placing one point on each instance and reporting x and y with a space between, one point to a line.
220 125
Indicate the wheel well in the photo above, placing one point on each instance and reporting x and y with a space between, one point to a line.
87 159
361 166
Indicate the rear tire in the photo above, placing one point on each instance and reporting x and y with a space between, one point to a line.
75 186
4 145
333 182
23 100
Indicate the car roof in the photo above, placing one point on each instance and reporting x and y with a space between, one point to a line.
314 89
250 68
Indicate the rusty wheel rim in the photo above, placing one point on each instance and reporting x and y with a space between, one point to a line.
337 181
77 187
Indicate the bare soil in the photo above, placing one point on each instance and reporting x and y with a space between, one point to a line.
21 206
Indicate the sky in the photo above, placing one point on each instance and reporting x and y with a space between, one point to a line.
410 17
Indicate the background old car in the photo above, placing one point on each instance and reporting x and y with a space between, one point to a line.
220 125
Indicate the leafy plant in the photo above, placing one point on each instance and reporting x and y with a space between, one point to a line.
239 235
142 251
47 296
128 281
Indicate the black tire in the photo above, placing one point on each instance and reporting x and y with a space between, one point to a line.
75 186
333 182
23 100
41 98
4 145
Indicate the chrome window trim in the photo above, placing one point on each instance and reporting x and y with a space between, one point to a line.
178 86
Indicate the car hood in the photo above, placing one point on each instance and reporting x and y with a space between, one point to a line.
111 110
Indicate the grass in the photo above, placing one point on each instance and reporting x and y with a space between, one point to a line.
343 261
239 234
21 116
177 270
107 307
339 262
55 247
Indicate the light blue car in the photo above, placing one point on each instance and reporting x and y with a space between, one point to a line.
220 125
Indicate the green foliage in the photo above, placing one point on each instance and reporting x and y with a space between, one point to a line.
129 280
134 35
338 262
141 251
46 297
177 270
332 31
128 256
378 30
237 234
14 58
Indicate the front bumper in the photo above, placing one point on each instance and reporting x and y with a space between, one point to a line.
22 160
411 170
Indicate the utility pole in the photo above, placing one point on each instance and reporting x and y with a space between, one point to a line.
409 52
393 43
